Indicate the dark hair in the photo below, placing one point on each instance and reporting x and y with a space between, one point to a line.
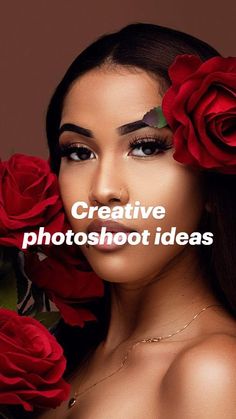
153 48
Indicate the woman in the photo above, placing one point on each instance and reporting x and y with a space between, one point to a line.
105 154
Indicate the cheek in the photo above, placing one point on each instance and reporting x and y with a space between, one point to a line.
183 200
178 189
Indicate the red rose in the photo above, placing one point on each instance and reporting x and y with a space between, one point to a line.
31 363
200 108
61 273
29 198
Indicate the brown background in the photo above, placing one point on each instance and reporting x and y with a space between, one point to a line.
40 38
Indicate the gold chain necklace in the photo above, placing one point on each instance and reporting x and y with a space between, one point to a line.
74 399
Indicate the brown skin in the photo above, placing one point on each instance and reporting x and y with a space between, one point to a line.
155 289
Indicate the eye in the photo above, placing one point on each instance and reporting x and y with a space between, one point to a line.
76 153
145 147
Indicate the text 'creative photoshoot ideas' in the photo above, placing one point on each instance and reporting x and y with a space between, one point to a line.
105 231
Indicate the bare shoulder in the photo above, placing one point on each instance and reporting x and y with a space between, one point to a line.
201 381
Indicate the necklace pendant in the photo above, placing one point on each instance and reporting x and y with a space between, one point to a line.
72 402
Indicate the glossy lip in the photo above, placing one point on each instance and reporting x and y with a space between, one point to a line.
111 226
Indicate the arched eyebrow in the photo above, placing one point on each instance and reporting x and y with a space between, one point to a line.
122 130
132 126
77 129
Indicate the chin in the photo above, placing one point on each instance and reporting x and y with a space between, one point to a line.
131 264
115 274
113 268
120 269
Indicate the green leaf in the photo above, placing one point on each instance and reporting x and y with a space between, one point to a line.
48 319
155 118
160 117
8 290
22 288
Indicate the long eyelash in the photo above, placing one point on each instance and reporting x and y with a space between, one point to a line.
162 143
65 150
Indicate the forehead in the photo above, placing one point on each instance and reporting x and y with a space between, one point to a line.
104 93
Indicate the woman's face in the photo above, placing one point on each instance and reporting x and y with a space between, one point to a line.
110 162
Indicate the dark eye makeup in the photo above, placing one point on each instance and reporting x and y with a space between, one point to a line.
150 145
142 147
79 152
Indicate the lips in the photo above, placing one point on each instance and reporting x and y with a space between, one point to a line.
112 226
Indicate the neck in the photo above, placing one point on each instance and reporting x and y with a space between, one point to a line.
158 305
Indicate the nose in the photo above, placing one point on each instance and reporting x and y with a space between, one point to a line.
107 187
